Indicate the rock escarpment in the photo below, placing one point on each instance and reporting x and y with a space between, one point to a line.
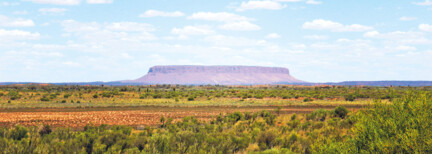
216 75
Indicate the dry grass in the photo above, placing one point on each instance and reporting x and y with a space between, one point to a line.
33 100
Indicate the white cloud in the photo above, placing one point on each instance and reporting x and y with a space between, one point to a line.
53 11
357 41
313 2
70 2
371 34
320 24
156 13
74 26
15 22
405 48
129 26
79 27
425 3
8 4
407 18
193 30
218 16
17 35
20 12
256 5
105 33
222 40
400 37
35 54
232 21
273 36
425 27
126 56
315 37
289 0
240 26
72 64
56 2
99 1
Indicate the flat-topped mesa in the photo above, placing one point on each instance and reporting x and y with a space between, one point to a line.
222 75
216 69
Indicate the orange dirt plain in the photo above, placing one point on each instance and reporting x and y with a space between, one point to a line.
130 116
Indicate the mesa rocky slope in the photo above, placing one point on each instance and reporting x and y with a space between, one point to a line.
221 75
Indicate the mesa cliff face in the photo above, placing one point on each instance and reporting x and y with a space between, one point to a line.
222 75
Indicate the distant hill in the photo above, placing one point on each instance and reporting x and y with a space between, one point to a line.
385 83
215 75
368 83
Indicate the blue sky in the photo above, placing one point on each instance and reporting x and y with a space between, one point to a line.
318 40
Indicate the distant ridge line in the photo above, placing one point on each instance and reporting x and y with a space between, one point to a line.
226 75
345 83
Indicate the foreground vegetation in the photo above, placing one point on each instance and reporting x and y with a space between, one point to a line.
402 126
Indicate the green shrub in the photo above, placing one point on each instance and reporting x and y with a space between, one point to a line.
46 129
274 151
350 97
307 99
19 133
143 96
317 125
290 140
247 116
267 139
268 117
44 99
317 115
341 111
191 98
401 127
53 96
66 95
294 117
259 96
156 96
278 110
293 124
234 117
286 96
14 95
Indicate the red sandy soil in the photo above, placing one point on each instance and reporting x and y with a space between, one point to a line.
78 118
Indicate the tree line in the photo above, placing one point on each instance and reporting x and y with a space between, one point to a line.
190 93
